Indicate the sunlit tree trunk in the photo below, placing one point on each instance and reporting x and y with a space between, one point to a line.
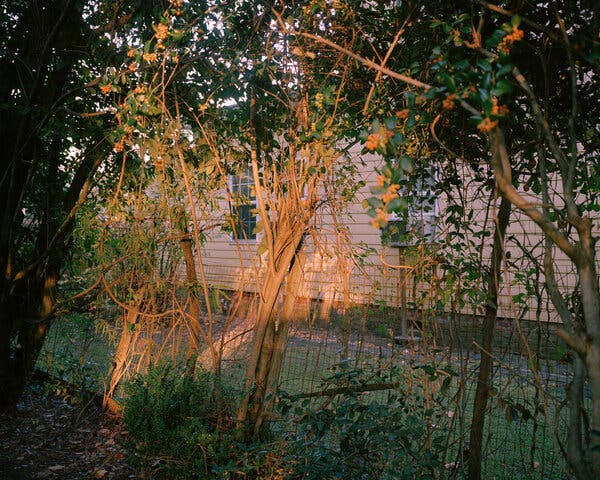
269 340
278 343
124 350
194 304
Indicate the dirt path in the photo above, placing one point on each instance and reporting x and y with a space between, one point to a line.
49 438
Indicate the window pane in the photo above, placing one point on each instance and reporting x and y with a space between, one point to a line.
244 200
244 223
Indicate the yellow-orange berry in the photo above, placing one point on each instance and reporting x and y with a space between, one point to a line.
162 31
150 57
119 146
402 114
498 110
486 125
372 142
448 103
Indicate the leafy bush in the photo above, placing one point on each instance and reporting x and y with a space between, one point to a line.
178 427
367 436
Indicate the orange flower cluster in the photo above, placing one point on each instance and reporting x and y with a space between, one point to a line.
177 4
131 53
120 145
132 67
515 36
402 114
391 194
150 57
448 103
380 180
106 89
486 125
372 141
498 110
376 139
380 220
140 89
162 31
456 34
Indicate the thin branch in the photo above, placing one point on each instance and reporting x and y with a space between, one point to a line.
570 178
508 13
383 62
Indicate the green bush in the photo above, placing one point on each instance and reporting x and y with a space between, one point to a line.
365 436
178 427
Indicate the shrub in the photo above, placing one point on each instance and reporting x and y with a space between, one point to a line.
358 435
178 427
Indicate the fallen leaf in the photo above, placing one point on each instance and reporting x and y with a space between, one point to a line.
101 473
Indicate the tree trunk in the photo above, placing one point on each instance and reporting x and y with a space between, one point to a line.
267 351
30 320
590 299
194 308
279 343
123 352
482 391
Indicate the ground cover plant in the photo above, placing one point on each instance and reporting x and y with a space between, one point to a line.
179 427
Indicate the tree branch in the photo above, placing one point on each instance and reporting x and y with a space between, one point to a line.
501 167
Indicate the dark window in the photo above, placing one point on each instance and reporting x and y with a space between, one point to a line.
243 206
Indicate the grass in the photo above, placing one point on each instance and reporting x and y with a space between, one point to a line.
517 445
74 351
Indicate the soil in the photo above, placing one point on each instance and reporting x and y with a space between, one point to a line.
49 437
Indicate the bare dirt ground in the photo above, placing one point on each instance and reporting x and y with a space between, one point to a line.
50 438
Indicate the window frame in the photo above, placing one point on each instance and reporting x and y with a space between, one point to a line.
420 226
236 183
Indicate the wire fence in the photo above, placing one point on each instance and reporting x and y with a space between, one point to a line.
430 355
530 372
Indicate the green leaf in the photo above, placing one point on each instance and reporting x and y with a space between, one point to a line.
446 384
502 87
398 138
390 123
396 205
258 227
375 202
262 246
504 69
484 64
375 126
406 163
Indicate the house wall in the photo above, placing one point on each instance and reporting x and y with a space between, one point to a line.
355 268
